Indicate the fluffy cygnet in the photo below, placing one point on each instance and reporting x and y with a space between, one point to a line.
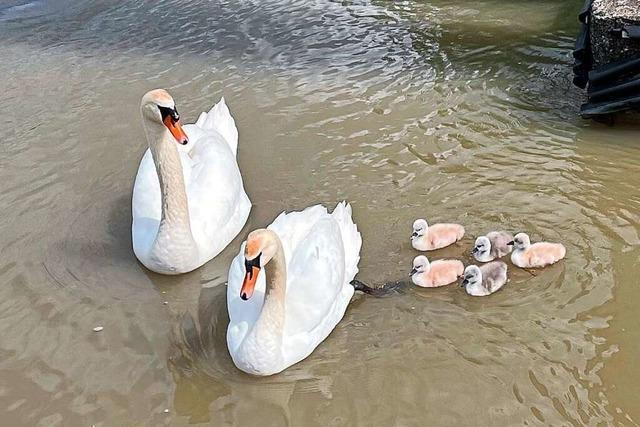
437 273
436 236
527 255
484 280
494 244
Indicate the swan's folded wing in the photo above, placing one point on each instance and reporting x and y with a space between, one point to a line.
293 227
146 190
215 190
146 206
316 276
350 237
219 119
215 184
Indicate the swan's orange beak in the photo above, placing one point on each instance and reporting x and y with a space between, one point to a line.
176 130
249 282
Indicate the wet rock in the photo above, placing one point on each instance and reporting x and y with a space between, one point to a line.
608 17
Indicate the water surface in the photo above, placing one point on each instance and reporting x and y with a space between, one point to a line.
450 110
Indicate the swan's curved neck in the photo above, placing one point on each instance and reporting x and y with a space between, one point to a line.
267 332
276 288
175 226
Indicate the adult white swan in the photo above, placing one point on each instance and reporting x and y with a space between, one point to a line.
188 199
289 287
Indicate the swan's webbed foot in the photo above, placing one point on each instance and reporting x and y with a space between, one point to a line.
378 291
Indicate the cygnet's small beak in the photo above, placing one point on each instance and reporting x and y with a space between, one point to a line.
414 234
464 283
413 271
474 250
511 243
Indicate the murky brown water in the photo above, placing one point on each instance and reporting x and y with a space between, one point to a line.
439 108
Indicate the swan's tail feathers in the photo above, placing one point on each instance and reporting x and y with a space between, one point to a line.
219 118
350 237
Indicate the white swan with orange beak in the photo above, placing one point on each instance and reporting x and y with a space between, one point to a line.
188 198
290 286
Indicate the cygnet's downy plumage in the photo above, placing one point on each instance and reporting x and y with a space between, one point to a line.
431 237
541 254
493 245
484 280
437 273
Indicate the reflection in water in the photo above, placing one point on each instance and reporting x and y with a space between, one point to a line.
200 362
451 111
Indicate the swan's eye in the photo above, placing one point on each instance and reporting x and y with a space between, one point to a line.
169 112
249 264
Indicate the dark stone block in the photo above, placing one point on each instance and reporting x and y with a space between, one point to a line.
614 30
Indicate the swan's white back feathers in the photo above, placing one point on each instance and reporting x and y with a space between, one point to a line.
315 276
219 119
